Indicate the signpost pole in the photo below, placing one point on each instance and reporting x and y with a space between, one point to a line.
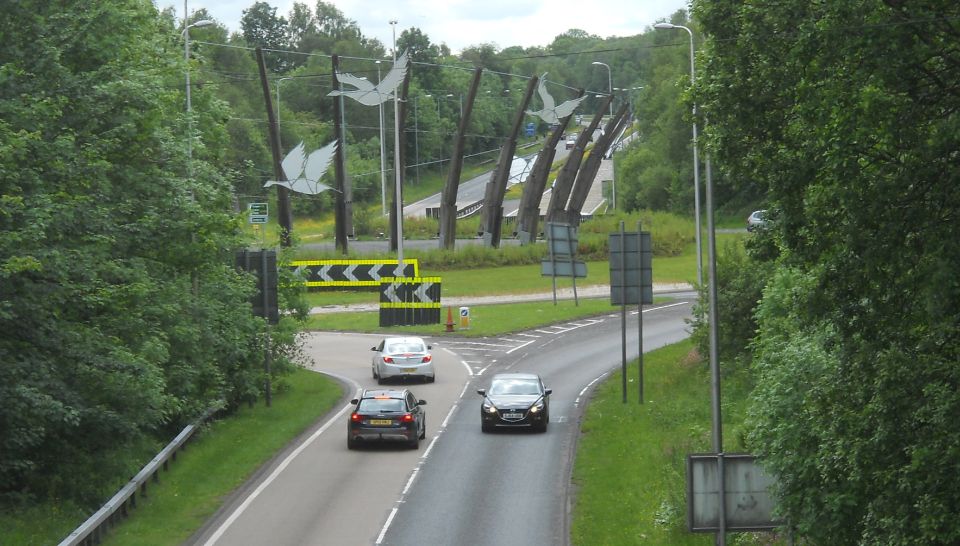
623 313
573 264
553 262
266 311
640 249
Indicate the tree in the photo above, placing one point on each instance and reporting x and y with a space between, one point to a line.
121 316
262 28
847 114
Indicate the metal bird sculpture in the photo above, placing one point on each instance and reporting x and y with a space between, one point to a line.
552 113
368 94
303 171
520 168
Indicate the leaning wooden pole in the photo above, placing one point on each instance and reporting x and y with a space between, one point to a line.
591 166
528 215
492 210
284 215
448 199
401 116
556 210
339 164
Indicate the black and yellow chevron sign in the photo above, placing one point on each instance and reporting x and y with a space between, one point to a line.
409 300
332 273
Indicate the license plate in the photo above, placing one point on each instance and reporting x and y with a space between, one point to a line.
409 370
381 421
512 415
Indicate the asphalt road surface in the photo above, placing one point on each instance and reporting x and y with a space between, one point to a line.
462 486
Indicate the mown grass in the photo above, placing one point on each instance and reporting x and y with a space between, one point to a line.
629 472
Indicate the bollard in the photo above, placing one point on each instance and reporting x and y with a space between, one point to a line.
464 318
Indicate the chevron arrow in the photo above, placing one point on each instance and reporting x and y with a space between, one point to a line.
391 293
324 273
421 293
375 272
349 272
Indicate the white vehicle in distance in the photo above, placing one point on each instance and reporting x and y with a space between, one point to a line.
402 357
757 220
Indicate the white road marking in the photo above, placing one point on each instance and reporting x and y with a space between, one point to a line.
386 526
276 472
521 346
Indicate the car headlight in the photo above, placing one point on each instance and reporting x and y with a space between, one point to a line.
538 407
489 408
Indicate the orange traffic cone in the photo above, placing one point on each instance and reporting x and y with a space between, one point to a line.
449 320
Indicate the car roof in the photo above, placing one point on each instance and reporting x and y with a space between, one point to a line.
515 375
403 339
389 393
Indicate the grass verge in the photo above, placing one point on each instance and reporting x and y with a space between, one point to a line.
629 473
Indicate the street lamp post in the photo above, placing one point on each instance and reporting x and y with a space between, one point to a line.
186 58
278 103
416 132
383 170
609 82
396 159
717 423
696 154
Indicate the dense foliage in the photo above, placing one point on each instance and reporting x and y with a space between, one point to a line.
846 114
121 315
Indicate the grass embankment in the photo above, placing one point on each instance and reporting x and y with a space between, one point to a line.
629 473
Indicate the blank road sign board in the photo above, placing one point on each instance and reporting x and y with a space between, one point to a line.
631 268
563 268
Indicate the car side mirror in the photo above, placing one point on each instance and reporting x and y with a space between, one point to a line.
482 392
429 347
373 348
547 392
354 401
421 402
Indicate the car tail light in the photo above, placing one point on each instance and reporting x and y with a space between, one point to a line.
388 359
427 358
406 418
356 418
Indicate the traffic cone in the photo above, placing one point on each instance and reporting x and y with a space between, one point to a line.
449 320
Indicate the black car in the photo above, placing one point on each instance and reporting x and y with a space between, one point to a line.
515 400
387 415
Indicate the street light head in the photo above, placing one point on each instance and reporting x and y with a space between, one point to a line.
202 23
664 26
599 63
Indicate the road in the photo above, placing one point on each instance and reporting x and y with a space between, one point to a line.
461 486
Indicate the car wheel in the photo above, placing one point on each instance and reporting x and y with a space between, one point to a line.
375 374
486 427
380 380
415 443
351 443
430 379
542 427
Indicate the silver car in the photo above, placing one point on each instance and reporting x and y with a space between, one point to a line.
757 220
402 357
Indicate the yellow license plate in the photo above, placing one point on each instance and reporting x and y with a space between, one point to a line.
381 421
409 370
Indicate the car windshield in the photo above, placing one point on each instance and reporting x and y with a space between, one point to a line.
381 405
515 386
408 347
